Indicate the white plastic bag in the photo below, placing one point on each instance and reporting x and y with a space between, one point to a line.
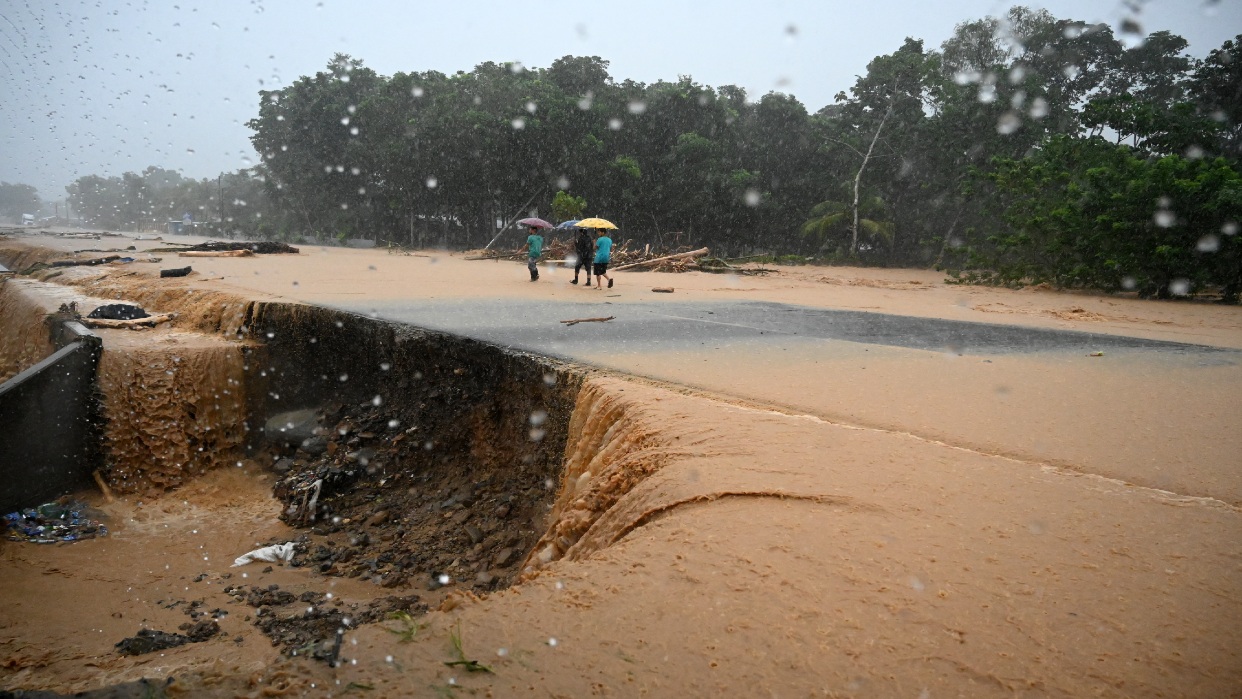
276 553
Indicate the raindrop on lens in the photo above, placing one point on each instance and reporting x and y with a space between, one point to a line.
637 107
1208 243
1008 123
1229 228
1179 287
614 124
1164 218
1039 108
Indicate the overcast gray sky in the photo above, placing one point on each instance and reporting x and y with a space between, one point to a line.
108 86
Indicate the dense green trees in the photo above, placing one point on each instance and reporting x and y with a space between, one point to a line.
1024 149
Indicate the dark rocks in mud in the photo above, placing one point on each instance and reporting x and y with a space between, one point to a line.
150 640
459 442
310 624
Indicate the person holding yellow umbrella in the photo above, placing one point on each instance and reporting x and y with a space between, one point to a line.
603 248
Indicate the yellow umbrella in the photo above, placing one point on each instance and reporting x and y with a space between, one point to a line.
595 223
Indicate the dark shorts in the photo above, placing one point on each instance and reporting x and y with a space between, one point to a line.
601 268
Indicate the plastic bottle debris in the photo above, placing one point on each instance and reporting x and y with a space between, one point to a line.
51 523
276 553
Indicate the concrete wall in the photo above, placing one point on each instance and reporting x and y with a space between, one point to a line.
50 424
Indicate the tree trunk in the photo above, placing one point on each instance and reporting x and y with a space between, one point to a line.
858 181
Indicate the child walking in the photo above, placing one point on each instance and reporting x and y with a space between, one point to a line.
603 255
534 248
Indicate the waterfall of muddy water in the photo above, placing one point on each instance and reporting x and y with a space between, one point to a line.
24 336
175 408
612 447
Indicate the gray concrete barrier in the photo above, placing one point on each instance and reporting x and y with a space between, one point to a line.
51 422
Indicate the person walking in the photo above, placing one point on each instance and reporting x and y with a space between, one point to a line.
603 255
534 248
582 249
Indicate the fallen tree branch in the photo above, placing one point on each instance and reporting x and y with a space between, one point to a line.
575 321
212 253
133 324
679 256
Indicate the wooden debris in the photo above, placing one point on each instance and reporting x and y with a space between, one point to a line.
103 487
134 324
213 253
667 258
663 289
575 321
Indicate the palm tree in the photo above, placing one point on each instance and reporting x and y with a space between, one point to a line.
830 217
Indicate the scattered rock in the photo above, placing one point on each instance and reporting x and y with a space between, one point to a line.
378 518
475 534
291 428
503 557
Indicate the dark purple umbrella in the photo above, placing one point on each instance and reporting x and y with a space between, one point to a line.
535 223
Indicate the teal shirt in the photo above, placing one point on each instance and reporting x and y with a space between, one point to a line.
535 243
603 249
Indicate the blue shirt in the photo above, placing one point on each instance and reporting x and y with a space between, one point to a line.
603 249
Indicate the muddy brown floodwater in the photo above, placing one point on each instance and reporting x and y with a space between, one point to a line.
476 521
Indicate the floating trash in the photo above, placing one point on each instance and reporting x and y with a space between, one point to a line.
51 523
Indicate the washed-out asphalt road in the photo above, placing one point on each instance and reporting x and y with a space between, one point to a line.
1089 402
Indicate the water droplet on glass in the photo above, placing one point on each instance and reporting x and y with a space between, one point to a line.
502 652
344 378
1008 123
377 401
394 424
752 197
585 103
637 107
1194 152
516 67
538 417
1229 228
1208 243
549 379
1164 218
1179 287
916 584
519 123
1129 283
987 93
531 107
552 642
966 77
351 109
1039 108
416 91
1071 71
614 124
444 579
1016 74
